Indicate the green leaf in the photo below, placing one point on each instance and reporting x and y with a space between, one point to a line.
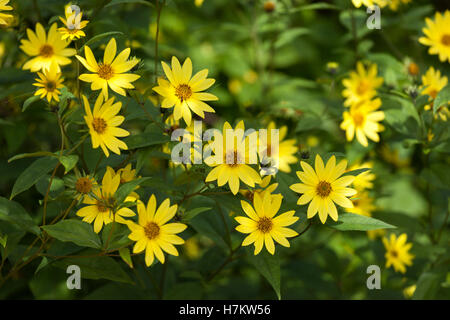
29 102
76 231
145 139
125 189
194 212
56 187
428 285
13 212
3 240
269 267
99 37
443 98
289 36
65 96
126 256
68 162
350 221
33 174
117 238
31 155
356 172
97 267
116 2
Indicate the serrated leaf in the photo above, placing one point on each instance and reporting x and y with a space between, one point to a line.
356 222
76 231
13 212
33 174
269 267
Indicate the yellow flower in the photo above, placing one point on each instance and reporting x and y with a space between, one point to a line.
198 3
111 72
437 35
3 16
46 49
84 185
233 166
73 24
323 187
362 119
397 252
363 180
101 207
183 91
368 3
262 225
49 83
126 175
264 188
394 4
152 232
432 82
377 233
408 292
362 204
362 84
103 125
286 149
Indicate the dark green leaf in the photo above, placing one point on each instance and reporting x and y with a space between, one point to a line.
269 267
350 221
13 212
76 231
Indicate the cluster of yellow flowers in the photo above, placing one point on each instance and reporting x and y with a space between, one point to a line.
363 116
321 187
393 4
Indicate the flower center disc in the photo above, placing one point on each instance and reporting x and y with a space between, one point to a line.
46 51
151 230
362 87
99 125
183 92
105 71
394 253
232 158
323 189
83 185
265 225
50 86
358 118
445 40
101 206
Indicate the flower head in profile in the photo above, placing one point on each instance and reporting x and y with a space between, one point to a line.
234 152
437 35
433 82
4 17
153 233
126 174
264 187
100 207
284 150
361 85
73 24
363 120
262 226
183 92
49 83
397 252
111 72
103 124
46 49
364 180
362 204
323 186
